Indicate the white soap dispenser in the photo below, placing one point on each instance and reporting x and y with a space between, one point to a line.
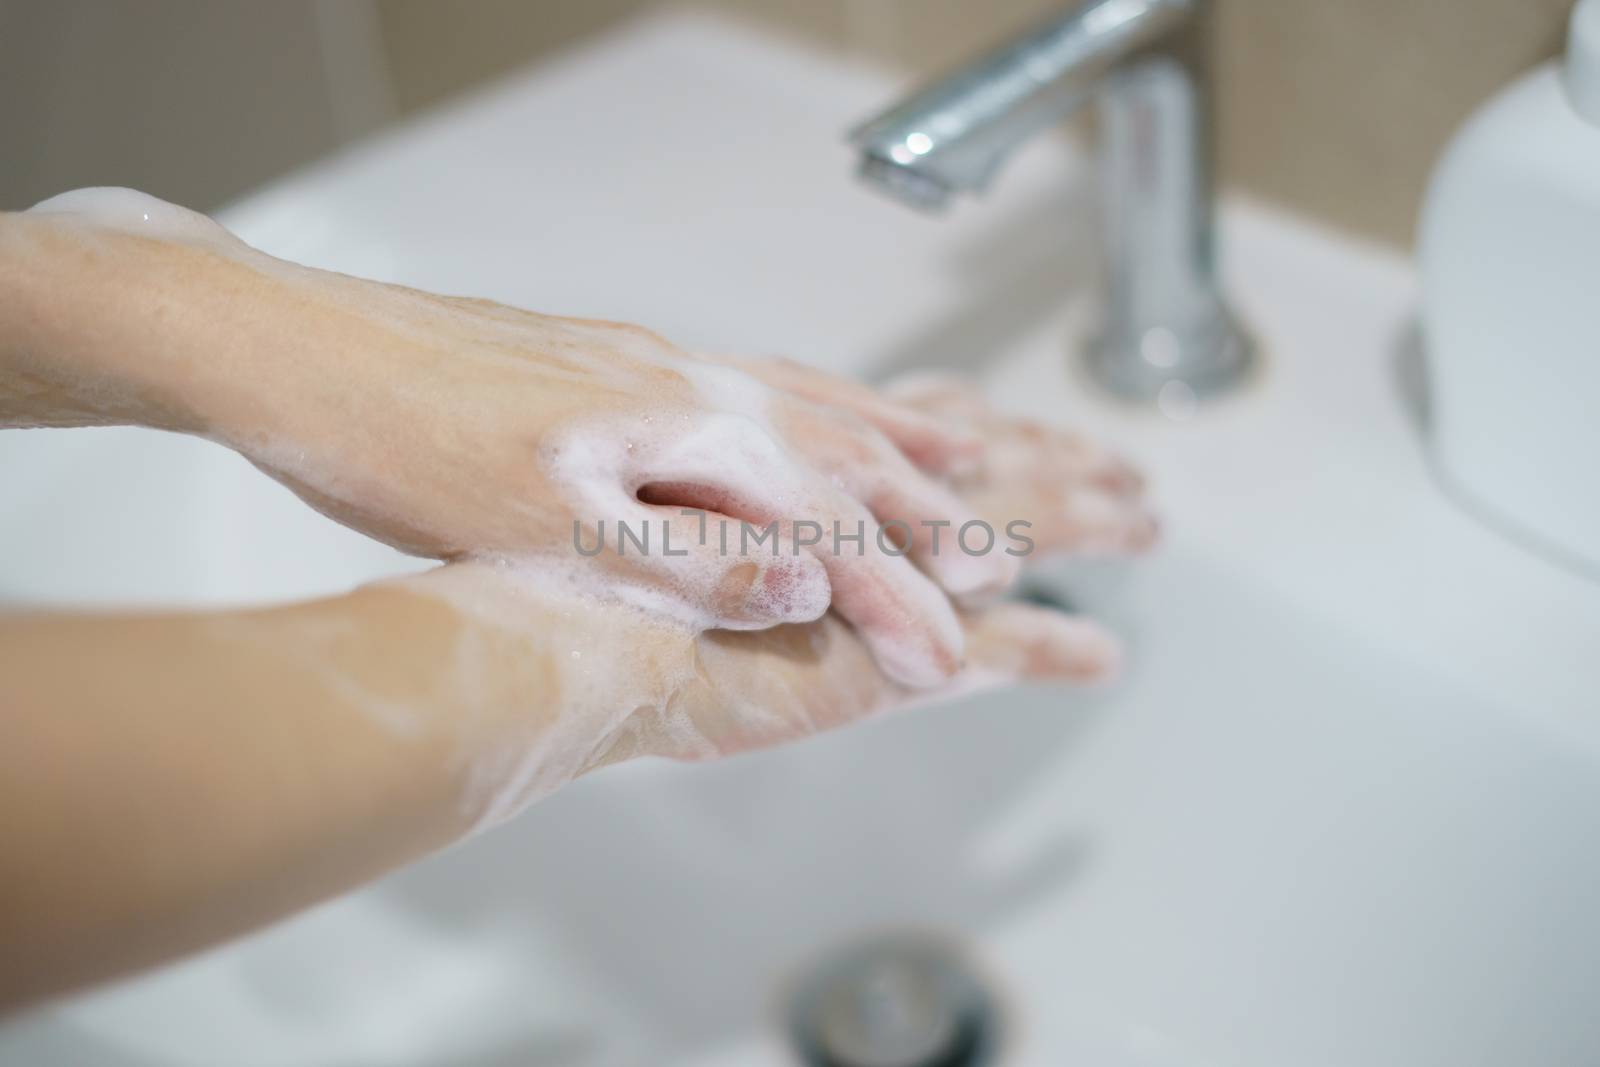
1509 250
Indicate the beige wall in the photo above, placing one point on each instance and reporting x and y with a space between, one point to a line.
1340 107
1334 107
437 49
193 100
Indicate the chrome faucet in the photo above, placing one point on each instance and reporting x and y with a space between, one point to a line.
1166 335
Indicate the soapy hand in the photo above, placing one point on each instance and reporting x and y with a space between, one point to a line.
1077 497
631 683
463 429
459 428
344 736
561 683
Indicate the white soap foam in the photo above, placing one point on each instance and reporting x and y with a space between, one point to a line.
602 682
134 212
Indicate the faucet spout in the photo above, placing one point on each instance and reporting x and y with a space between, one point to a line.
1167 336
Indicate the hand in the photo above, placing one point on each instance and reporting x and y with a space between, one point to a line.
345 736
562 684
457 428
333 740
1076 496
633 683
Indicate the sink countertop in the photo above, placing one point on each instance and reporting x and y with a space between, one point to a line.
1309 488
1331 661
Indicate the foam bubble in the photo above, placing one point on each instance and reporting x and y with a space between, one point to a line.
132 211
510 760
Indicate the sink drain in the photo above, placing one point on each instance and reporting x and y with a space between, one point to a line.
896 1000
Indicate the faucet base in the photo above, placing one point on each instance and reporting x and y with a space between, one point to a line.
1170 366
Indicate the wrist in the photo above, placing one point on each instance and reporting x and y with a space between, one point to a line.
536 684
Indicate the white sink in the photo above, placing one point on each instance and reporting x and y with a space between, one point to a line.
1342 810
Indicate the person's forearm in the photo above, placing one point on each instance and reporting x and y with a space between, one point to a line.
83 325
168 781
174 324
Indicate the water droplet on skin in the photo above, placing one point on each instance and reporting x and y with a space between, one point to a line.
576 654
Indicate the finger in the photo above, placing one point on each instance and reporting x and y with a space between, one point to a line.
633 520
754 690
759 689
1116 475
902 616
1020 642
948 540
692 559
1015 443
734 468
1026 444
1091 521
940 394
935 524
930 444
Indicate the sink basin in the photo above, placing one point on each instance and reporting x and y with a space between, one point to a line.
1341 809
